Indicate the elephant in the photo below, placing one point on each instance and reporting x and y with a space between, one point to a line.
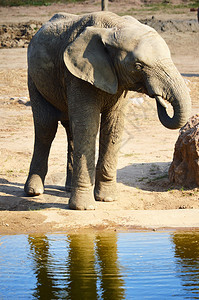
80 68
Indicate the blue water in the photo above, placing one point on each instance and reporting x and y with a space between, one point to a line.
139 265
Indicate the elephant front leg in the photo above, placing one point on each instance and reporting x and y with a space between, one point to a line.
69 170
112 124
84 124
82 197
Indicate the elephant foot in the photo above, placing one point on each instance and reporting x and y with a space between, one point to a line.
106 191
82 200
34 185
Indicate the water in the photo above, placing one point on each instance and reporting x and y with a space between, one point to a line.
139 265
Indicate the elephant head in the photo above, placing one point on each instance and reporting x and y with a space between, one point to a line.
133 57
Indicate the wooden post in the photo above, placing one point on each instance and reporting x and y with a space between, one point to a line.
104 5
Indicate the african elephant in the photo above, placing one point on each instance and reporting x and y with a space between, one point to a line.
79 70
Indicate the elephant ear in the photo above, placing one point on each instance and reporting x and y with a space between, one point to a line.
86 58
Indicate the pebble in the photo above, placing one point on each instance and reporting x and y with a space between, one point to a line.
21 100
5 224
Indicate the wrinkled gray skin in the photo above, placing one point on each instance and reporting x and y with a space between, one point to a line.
79 68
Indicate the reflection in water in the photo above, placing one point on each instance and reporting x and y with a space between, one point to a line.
81 266
40 250
142 265
187 261
91 268
112 284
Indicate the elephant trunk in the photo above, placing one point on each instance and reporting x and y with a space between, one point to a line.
178 96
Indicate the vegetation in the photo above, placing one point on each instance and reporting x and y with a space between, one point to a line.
168 4
34 2
152 6
163 5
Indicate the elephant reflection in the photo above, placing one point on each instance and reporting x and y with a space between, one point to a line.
40 250
187 259
91 269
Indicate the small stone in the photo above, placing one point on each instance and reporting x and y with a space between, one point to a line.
182 207
24 101
33 26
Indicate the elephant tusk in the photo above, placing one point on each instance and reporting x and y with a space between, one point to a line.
161 101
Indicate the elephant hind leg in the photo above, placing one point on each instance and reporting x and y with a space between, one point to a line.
45 125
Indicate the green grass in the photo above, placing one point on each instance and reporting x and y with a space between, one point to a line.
160 177
166 6
34 2
189 4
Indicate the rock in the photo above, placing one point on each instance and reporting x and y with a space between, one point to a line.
20 100
33 26
18 35
24 101
20 43
184 169
172 25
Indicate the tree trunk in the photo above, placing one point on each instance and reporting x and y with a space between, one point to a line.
104 4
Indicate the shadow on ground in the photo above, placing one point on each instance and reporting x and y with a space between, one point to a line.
146 176
152 177
13 197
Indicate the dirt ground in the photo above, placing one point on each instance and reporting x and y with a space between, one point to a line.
146 198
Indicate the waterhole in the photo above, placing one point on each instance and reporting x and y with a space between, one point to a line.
109 265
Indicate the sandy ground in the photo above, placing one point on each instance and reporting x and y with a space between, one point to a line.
146 198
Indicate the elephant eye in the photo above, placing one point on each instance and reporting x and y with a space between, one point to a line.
139 66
